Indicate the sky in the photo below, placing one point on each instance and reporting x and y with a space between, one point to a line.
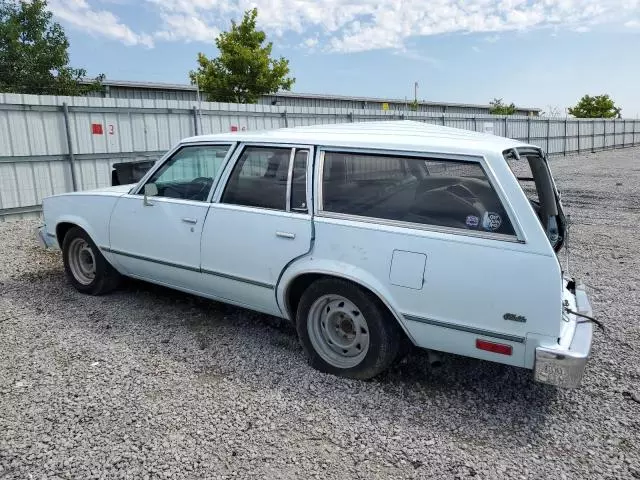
534 53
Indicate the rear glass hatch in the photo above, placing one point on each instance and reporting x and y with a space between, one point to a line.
531 169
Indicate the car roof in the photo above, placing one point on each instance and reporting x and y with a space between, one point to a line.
391 135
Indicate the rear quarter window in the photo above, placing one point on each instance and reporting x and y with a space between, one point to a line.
425 191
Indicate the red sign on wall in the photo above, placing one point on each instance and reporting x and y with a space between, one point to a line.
96 128
234 128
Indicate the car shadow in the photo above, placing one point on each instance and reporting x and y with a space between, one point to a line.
488 395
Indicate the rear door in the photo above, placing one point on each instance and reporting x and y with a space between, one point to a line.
259 222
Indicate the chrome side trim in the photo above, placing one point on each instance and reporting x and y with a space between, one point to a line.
189 268
464 328
460 157
420 226
240 279
149 259
292 156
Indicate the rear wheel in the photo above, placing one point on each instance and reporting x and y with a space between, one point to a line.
85 266
345 330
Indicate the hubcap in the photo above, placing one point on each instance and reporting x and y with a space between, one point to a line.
82 261
338 331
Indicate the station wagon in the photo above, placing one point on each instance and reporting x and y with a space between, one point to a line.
367 236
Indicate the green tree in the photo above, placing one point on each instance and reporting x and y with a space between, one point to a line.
34 54
244 69
500 108
600 106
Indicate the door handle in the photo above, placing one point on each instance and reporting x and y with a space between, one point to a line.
192 221
286 235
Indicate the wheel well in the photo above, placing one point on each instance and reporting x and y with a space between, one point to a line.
297 288
301 283
61 231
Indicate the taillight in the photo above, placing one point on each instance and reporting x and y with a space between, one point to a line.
500 348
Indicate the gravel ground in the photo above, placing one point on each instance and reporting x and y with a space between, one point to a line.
149 383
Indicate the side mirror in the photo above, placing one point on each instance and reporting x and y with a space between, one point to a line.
150 190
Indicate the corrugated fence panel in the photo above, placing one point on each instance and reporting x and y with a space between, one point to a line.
8 186
34 156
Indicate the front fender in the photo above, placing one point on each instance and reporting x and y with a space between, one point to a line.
91 212
338 269
80 222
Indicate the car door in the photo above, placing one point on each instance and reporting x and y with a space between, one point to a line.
157 238
259 222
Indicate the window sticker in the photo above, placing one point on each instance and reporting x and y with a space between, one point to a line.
472 221
491 221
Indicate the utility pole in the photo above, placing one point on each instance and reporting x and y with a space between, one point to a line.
415 93
199 104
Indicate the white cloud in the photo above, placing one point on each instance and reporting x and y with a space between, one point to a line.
310 42
97 22
632 24
186 27
476 49
413 54
356 25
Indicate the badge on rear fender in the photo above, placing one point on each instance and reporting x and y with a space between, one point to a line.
514 317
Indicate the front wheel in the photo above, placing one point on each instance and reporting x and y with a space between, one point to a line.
345 330
85 266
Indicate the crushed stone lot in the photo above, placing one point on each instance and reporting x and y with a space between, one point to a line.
151 383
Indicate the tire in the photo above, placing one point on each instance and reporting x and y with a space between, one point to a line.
85 266
346 331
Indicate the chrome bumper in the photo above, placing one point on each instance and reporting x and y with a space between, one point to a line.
45 239
564 367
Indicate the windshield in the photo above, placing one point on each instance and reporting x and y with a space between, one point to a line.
533 174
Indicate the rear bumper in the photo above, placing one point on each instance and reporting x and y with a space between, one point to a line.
564 367
45 239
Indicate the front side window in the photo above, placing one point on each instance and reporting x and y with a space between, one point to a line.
445 193
259 178
190 173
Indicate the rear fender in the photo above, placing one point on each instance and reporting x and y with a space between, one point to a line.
337 269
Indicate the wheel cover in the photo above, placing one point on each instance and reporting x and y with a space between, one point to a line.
82 261
338 331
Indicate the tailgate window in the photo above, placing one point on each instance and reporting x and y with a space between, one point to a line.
533 175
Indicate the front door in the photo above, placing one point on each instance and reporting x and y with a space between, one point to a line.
259 222
158 239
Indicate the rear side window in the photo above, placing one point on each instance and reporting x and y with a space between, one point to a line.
299 181
436 192
259 178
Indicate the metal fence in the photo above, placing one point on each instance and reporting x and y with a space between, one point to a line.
51 145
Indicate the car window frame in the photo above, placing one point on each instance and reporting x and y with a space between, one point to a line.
138 190
480 159
294 147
